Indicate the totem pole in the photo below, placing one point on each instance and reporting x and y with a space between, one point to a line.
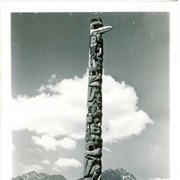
93 144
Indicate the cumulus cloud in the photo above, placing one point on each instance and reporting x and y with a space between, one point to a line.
65 163
60 111
51 143
122 117
46 162
67 143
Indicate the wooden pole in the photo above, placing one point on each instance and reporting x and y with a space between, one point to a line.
93 140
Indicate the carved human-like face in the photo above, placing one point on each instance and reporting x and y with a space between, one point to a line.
95 77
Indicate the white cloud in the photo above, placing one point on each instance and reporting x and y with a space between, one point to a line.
47 142
65 163
33 167
55 168
51 143
60 111
68 143
46 162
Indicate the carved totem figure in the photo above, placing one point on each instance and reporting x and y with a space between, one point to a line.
93 154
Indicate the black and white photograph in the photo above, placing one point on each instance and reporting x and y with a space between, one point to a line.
90 95
89 91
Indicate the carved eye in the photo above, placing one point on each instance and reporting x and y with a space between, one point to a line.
98 123
93 73
96 26
91 147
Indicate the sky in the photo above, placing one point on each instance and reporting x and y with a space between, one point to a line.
49 61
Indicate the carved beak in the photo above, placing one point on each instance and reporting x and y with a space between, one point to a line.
104 29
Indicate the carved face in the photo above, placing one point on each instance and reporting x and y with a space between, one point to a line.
95 77
95 25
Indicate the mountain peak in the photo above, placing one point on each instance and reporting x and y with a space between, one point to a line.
33 175
117 174
109 174
122 171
